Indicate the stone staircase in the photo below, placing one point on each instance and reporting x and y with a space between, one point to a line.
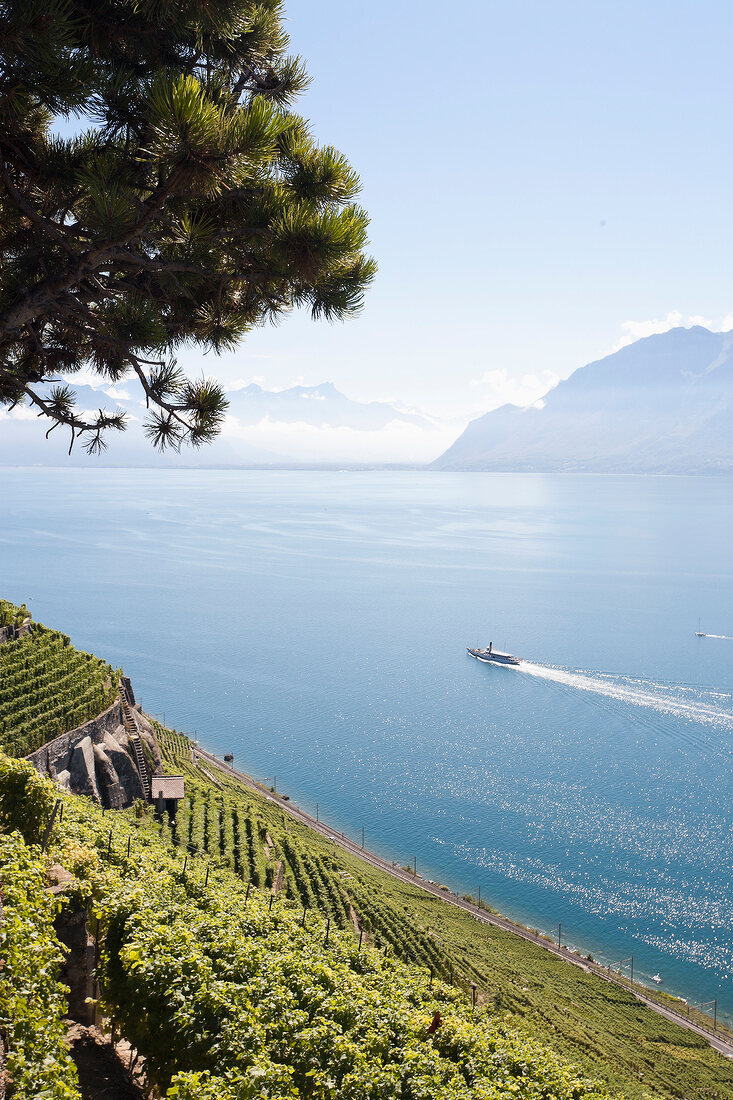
128 717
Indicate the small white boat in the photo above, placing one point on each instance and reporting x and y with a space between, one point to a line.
657 978
700 633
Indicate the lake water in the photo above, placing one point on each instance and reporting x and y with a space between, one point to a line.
315 625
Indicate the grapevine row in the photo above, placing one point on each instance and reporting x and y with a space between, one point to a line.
48 688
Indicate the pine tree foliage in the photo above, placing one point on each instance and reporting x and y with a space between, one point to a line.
193 205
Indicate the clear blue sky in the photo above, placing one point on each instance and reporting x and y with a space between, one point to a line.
537 175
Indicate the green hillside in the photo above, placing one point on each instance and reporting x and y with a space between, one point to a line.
251 943
46 686
226 992
601 1027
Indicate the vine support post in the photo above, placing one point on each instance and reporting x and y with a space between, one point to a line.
305 910
328 929
49 827
361 937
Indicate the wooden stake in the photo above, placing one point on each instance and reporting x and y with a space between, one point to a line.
49 827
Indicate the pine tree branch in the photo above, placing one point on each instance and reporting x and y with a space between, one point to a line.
76 425
38 302
193 207
32 214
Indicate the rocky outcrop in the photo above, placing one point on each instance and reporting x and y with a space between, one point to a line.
97 759
117 773
12 633
82 771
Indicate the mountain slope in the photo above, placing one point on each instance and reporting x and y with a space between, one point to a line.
661 405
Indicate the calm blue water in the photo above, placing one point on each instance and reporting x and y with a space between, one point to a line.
315 624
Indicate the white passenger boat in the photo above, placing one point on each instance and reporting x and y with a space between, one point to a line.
491 655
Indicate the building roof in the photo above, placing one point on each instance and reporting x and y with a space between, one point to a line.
166 786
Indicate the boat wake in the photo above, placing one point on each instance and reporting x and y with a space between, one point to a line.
679 700
725 637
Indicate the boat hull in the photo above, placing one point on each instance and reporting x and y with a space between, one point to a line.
492 657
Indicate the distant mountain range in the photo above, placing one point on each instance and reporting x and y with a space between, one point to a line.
321 406
302 425
661 405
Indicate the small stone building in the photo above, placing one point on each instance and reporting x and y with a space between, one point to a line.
166 791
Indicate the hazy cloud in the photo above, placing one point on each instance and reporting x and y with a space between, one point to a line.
499 387
397 441
637 330
20 412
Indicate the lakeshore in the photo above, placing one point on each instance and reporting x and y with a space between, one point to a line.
717 1040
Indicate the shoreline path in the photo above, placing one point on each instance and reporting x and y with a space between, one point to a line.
717 1042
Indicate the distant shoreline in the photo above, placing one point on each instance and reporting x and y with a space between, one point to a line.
376 468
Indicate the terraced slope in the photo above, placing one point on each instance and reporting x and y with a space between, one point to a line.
602 1028
47 687
229 994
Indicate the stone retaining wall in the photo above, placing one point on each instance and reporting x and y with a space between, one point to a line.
97 760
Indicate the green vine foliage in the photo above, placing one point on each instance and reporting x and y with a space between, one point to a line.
32 1001
229 994
26 800
47 687
227 826
10 615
